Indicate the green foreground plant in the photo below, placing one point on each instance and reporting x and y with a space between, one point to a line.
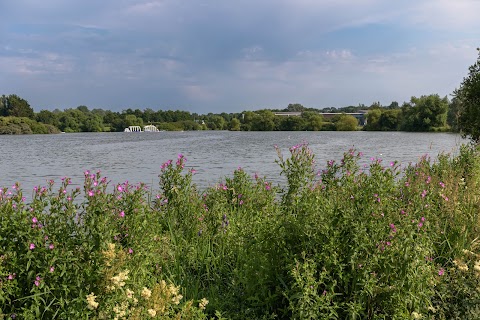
350 241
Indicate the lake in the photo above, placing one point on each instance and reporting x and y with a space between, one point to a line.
137 157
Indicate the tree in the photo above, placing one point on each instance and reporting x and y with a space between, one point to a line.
468 96
264 121
346 122
314 120
425 113
390 120
234 125
15 106
295 107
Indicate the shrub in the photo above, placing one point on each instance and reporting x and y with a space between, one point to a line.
344 242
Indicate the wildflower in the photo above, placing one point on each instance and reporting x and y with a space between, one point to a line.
92 304
241 202
267 186
392 226
121 214
441 184
51 246
416 315
32 246
52 268
477 266
146 293
441 272
420 224
119 188
424 193
176 299
37 281
34 220
129 293
11 276
119 280
202 304
460 265
91 193
152 313
130 251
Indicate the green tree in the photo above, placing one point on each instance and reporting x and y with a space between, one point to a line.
346 122
292 124
47 117
15 106
373 118
264 121
390 120
425 113
468 96
313 120
234 125
295 107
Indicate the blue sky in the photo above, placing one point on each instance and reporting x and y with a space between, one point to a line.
228 56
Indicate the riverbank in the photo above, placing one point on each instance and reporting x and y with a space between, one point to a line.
342 242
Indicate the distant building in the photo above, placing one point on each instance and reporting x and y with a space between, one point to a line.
288 114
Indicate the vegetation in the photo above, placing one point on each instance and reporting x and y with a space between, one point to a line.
336 242
427 113
467 103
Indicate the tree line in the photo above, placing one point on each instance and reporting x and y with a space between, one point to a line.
425 113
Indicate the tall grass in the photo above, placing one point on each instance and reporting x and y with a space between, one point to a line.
345 242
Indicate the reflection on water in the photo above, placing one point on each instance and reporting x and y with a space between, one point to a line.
136 157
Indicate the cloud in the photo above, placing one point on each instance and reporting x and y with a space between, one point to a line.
213 54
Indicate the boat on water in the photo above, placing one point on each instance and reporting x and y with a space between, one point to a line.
147 128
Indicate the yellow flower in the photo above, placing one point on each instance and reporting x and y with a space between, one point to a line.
176 299
146 293
202 304
152 312
92 304
119 280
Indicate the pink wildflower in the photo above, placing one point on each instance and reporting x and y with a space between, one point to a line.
121 214
32 246
441 272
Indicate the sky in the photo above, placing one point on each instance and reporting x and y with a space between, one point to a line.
229 56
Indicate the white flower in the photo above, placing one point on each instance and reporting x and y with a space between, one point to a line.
152 312
146 293
92 304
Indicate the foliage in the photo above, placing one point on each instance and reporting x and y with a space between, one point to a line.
468 98
16 125
15 106
344 242
425 113
346 122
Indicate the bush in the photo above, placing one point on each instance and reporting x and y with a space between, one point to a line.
345 242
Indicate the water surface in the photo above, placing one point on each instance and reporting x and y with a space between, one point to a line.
137 157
